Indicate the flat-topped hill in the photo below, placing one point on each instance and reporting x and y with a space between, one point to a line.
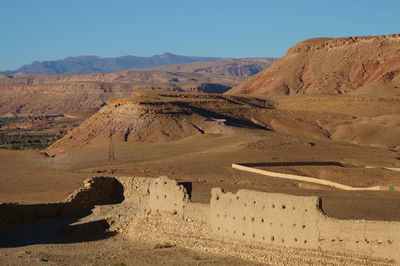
40 94
351 65
162 117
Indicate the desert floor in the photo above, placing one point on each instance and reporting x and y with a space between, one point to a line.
205 160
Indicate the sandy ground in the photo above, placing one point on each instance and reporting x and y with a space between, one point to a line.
206 161
117 251
136 238
27 177
31 177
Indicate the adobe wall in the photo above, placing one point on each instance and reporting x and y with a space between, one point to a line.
198 212
136 190
297 221
96 191
276 219
161 194
167 195
372 238
250 216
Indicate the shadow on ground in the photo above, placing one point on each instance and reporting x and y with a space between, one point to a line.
292 164
55 232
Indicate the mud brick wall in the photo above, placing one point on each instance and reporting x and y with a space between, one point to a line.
198 212
250 216
297 221
373 238
136 190
97 190
167 195
276 219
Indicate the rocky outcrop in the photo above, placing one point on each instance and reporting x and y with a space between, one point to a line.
228 67
34 94
160 117
352 65
62 98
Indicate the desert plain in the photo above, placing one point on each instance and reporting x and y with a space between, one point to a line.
292 118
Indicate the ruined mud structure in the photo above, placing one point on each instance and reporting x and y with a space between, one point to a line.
249 217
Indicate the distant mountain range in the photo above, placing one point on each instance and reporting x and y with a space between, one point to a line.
91 64
41 94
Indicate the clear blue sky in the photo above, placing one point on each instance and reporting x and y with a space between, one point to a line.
54 29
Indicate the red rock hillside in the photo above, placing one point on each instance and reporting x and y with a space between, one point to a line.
352 65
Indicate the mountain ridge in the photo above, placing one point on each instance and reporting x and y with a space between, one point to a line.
347 65
39 94
91 63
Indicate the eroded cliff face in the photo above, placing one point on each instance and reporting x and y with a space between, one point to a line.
161 117
41 94
352 65
65 97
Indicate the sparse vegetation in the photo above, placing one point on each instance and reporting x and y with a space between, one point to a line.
26 141
7 120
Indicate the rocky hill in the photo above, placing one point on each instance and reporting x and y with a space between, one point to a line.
161 117
244 67
39 94
90 64
353 65
154 116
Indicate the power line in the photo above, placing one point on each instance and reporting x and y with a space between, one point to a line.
111 155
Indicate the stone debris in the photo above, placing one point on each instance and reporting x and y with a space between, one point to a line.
155 228
159 212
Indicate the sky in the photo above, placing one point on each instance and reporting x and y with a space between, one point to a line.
38 30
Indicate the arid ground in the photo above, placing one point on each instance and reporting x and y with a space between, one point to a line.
205 159
314 125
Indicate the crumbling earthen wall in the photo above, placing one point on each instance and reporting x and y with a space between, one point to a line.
136 189
198 212
297 221
251 216
168 195
276 219
96 191
372 238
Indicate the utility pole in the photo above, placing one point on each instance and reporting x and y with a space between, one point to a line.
111 155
